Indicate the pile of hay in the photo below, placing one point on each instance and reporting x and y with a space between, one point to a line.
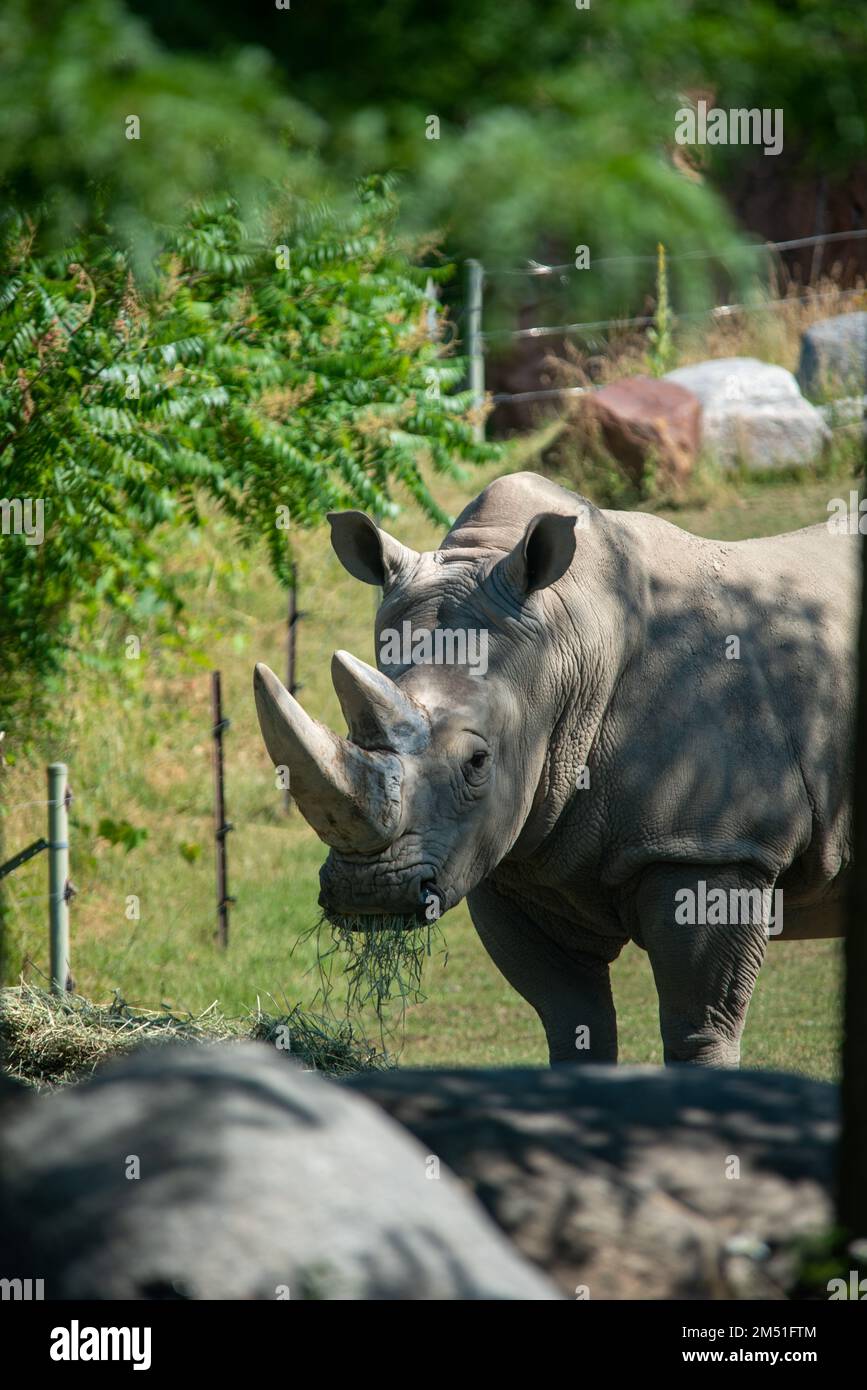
47 1040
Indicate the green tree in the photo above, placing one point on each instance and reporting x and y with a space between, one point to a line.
557 123
75 78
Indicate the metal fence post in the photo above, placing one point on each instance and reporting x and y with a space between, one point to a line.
58 876
221 825
475 347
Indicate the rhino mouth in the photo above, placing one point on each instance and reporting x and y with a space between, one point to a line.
372 922
431 906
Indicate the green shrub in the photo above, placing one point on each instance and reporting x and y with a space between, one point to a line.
281 368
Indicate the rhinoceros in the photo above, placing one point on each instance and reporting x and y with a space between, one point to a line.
663 720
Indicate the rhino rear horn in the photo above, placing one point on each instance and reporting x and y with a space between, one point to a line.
351 797
378 713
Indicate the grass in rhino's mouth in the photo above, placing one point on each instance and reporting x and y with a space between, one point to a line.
381 958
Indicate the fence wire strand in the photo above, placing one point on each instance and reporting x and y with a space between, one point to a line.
644 320
537 268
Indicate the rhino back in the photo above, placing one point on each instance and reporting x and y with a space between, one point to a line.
728 734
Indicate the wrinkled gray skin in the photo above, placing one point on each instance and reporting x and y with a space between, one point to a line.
607 648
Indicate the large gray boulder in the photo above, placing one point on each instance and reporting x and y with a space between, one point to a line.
255 1181
634 1182
834 356
753 413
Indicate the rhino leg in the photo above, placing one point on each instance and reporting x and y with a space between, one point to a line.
704 972
572 996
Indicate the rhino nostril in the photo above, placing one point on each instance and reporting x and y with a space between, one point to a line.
431 902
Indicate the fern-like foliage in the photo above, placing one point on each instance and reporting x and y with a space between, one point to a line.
283 369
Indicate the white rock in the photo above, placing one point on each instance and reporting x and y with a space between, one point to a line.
754 412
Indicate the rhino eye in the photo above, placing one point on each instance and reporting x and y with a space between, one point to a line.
476 763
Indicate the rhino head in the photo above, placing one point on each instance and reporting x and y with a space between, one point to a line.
432 785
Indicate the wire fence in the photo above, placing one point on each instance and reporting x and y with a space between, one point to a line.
645 320
478 338
536 268
61 890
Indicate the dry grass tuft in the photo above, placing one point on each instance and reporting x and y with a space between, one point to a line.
381 958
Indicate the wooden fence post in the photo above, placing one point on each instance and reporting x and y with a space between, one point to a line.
430 294
221 825
59 893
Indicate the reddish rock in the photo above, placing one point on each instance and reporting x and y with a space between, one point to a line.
642 417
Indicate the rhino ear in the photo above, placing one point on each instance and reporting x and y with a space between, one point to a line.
544 553
369 554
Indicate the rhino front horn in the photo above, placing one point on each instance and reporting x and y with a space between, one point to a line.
352 798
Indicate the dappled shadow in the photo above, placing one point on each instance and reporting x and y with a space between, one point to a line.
595 1171
743 758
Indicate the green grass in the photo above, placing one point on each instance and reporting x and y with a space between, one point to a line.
139 749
